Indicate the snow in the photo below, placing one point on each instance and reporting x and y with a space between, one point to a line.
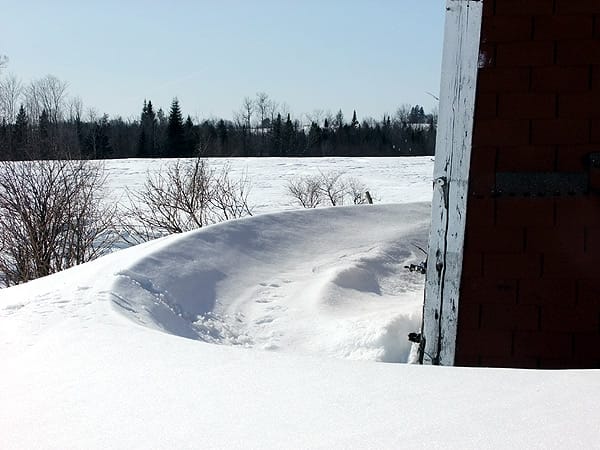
266 332
390 180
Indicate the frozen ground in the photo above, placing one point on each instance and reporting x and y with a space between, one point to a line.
390 180
263 333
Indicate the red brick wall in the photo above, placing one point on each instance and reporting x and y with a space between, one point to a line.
530 290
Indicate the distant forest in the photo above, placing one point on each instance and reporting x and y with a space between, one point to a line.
40 120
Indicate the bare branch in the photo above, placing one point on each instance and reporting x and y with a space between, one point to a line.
52 217
189 194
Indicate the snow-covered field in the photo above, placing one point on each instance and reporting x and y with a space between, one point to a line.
390 180
266 332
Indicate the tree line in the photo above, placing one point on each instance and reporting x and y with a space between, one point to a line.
40 120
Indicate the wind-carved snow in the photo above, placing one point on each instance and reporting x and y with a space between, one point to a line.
162 345
328 281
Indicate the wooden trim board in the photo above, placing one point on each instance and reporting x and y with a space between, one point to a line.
451 180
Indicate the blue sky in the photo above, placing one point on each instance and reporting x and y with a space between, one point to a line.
371 56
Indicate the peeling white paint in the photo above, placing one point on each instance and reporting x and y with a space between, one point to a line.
451 178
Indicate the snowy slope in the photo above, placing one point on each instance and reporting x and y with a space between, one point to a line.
326 281
163 346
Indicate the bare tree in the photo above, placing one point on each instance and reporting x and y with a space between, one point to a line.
317 116
306 191
329 188
3 61
189 194
49 94
263 106
332 187
356 191
402 114
75 108
247 111
52 216
11 90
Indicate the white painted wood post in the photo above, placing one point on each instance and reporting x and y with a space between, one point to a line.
451 179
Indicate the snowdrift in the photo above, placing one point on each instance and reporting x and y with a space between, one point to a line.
120 352
327 281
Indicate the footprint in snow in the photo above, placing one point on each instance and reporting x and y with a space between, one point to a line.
264 320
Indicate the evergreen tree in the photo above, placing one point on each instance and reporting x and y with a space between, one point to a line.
339 119
45 150
147 144
97 144
5 141
288 137
354 123
313 144
20 134
277 137
223 137
191 142
175 131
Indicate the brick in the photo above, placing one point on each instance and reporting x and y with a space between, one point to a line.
524 211
468 316
573 158
513 265
595 74
496 132
578 52
485 105
587 345
578 319
526 159
588 291
495 317
466 361
483 159
592 240
480 211
506 29
595 135
488 8
570 266
495 239
482 170
494 79
547 292
482 183
482 291
575 211
471 343
487 55
563 240
519 7
560 131
567 363
512 362
472 264
594 180
542 344
564 27
584 105
577 6
527 106
560 79
525 54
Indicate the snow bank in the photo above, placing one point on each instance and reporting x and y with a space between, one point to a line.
326 281
120 352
